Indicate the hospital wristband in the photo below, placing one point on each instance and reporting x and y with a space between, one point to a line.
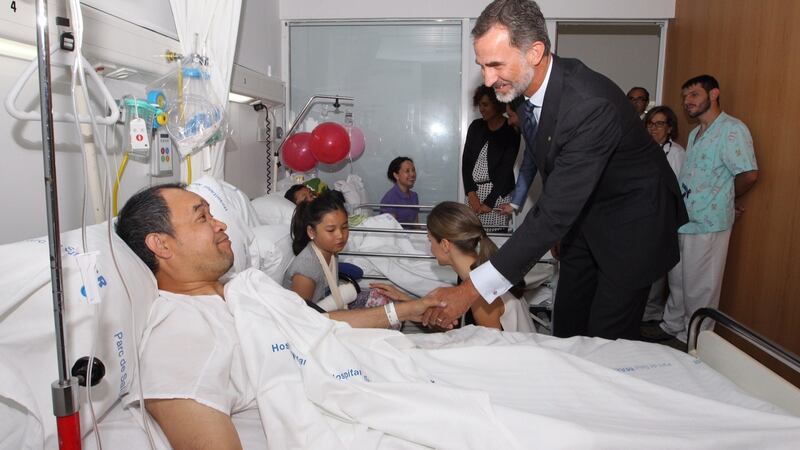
391 314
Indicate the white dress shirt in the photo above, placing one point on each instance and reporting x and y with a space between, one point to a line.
490 283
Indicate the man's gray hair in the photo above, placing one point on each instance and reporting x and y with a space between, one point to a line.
522 18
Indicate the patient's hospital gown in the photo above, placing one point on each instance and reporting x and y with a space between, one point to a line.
190 350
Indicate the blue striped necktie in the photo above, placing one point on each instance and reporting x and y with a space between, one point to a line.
529 125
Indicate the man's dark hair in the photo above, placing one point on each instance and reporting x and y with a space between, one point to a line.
394 167
639 88
293 190
672 119
522 18
707 81
146 212
487 91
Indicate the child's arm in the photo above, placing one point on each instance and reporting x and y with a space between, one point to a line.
304 286
390 291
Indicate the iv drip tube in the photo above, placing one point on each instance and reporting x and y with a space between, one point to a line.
65 390
92 174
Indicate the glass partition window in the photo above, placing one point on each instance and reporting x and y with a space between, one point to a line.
406 82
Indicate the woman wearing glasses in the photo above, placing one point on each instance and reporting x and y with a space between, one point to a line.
662 124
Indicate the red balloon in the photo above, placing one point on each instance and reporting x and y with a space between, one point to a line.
297 153
330 142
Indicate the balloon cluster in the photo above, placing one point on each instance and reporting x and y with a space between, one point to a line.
328 143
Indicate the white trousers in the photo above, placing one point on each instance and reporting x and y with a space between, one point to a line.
696 281
656 300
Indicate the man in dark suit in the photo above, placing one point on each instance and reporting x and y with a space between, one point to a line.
609 195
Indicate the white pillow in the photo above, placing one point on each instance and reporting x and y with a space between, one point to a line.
27 339
245 251
273 209
241 204
275 249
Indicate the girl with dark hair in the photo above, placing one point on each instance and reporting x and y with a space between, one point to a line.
459 240
319 233
403 174
487 165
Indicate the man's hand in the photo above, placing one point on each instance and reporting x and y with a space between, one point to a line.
456 301
506 209
414 309
484 209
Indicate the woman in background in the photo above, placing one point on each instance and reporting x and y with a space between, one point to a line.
490 151
662 124
403 174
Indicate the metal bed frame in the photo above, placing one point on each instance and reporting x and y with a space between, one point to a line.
738 366
420 228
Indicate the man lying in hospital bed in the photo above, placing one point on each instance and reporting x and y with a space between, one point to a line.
319 383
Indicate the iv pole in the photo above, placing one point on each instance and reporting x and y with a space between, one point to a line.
65 390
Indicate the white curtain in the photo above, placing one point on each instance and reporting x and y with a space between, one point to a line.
216 23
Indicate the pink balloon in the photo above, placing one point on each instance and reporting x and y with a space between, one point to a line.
357 142
297 153
329 142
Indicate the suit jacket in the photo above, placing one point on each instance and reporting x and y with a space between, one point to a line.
604 177
501 156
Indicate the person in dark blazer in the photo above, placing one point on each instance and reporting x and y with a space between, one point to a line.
609 197
487 164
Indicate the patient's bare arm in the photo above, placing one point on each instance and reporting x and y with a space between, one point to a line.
193 426
376 317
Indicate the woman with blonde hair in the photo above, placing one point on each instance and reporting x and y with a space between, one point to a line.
459 240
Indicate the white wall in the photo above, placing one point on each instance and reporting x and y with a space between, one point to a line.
245 158
22 172
259 44
573 9
628 55
258 49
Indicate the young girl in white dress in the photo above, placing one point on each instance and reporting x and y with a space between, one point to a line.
458 240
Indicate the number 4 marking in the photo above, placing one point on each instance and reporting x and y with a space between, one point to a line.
14 6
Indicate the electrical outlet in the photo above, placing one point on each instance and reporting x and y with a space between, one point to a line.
262 134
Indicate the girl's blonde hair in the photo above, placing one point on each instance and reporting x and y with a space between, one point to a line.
459 225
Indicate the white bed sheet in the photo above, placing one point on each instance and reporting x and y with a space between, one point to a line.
544 391
418 276
331 386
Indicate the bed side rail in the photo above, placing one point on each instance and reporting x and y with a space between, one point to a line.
779 353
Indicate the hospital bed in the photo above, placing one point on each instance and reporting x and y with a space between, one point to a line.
27 362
